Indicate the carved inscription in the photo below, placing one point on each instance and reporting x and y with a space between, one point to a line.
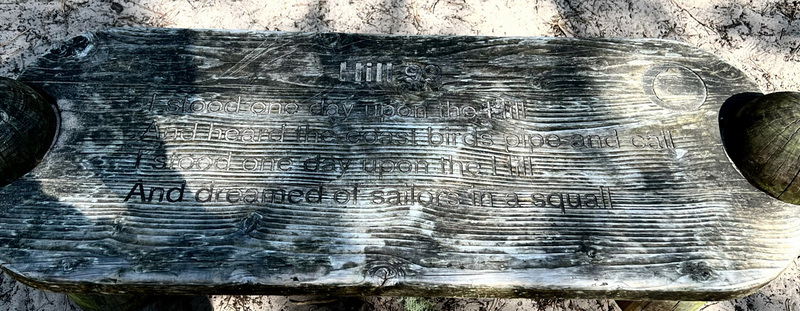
269 148
409 75
410 194
366 72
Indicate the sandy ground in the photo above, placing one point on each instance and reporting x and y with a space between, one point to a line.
760 37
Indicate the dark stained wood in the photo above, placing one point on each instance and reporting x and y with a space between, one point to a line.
101 302
314 144
762 140
28 123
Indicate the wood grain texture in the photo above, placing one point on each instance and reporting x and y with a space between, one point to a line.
622 186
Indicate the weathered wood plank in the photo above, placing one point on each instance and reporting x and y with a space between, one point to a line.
394 165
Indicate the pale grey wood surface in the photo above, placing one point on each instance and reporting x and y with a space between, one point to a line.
672 219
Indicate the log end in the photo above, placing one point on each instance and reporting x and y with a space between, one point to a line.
28 125
762 139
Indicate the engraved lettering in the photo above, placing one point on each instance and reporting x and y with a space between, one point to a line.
172 195
367 72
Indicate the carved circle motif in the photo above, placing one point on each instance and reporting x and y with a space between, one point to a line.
674 87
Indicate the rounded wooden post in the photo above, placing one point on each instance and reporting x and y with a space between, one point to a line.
28 125
762 137
107 302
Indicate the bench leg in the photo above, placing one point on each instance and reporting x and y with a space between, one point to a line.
659 305
101 302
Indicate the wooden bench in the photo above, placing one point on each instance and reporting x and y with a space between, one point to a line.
193 161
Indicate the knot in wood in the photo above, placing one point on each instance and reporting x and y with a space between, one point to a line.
250 223
28 124
71 263
698 271
386 274
78 46
762 139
